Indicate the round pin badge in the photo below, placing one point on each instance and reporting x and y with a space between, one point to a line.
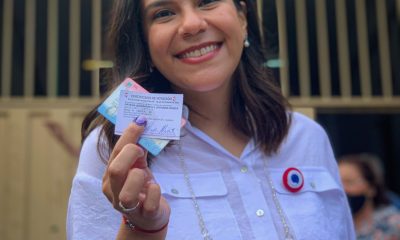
293 179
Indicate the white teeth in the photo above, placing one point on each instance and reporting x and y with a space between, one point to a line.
199 52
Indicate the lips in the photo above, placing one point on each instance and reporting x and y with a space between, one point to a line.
198 51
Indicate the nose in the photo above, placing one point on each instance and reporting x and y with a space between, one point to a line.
192 23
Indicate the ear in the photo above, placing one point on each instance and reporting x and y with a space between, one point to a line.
243 15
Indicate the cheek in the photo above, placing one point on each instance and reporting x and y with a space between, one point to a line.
357 189
158 43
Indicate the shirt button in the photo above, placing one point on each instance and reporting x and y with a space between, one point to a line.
244 169
260 212
174 191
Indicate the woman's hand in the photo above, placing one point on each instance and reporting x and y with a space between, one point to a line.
129 182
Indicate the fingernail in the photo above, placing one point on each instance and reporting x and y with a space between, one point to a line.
141 120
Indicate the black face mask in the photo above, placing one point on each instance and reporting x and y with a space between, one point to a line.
356 202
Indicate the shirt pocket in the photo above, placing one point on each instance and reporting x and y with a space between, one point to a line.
319 209
211 197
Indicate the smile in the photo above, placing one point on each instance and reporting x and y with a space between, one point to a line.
198 52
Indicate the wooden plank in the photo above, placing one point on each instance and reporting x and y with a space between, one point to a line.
29 47
283 47
39 177
16 171
343 49
384 51
3 173
363 48
398 10
323 49
74 47
7 39
96 45
302 47
52 48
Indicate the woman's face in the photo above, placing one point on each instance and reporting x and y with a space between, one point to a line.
353 181
196 44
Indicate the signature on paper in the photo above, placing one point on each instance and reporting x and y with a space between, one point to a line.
162 130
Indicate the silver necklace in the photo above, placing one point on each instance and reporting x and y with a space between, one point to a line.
286 229
203 228
202 225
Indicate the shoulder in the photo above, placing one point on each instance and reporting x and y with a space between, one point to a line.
305 128
387 221
389 212
307 144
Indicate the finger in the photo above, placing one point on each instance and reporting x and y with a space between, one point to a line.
130 135
151 203
129 194
118 169
126 158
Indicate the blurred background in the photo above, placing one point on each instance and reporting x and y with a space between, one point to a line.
338 61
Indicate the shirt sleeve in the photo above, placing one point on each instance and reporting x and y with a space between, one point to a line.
90 215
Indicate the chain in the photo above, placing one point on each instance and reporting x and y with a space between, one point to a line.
202 225
286 229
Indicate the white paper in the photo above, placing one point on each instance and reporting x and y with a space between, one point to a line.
163 113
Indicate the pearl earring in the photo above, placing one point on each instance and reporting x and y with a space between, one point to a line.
246 42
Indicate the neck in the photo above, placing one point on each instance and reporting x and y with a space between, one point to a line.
209 108
210 113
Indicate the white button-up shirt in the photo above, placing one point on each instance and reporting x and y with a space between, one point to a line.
234 194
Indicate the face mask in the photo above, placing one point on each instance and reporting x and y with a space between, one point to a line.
356 202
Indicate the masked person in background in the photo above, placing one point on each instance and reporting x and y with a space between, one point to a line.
375 217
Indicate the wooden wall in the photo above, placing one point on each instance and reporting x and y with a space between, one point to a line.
36 170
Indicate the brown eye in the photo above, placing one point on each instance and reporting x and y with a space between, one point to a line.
163 14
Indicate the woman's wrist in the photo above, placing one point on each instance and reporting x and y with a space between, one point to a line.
135 228
125 233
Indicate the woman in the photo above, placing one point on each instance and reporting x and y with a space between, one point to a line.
374 215
245 166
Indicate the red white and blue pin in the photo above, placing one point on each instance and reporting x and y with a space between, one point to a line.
293 179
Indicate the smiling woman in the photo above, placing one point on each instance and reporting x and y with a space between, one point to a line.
243 161
204 42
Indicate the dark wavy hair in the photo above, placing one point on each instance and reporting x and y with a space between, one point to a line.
371 170
255 96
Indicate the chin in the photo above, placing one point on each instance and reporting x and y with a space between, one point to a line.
205 86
